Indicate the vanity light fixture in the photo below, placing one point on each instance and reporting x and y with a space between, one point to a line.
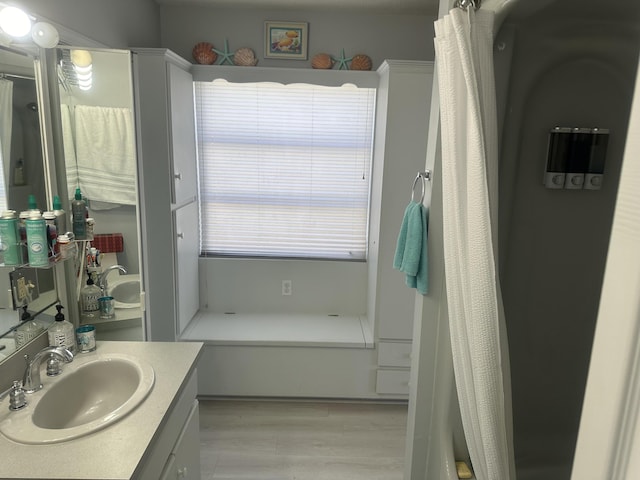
45 35
83 66
15 22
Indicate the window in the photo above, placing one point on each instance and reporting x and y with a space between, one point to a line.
284 169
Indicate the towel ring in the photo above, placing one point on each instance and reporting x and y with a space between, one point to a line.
424 176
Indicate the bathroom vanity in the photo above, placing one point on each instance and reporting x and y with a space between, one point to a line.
159 439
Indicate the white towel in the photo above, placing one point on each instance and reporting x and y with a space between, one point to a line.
105 151
69 146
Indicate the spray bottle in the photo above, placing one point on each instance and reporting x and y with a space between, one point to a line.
78 212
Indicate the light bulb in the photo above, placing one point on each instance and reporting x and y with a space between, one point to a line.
45 35
85 84
15 22
81 58
83 70
84 76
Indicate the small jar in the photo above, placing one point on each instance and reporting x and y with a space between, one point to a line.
86 338
65 246
90 225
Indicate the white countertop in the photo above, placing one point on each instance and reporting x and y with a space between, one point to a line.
114 452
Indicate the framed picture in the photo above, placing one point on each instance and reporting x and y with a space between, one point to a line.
286 40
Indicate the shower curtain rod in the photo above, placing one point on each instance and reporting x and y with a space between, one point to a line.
14 75
465 4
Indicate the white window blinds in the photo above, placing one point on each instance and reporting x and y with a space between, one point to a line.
284 169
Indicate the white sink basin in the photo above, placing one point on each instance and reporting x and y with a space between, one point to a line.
125 290
85 398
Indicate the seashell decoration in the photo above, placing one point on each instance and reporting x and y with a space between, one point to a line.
322 61
360 62
245 57
203 53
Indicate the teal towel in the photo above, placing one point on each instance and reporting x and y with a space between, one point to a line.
411 249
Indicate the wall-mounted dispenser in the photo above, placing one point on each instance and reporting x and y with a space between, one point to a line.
575 158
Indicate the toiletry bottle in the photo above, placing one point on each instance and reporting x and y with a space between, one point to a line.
61 215
10 238
22 233
33 205
89 296
61 332
52 233
78 212
29 329
18 174
37 250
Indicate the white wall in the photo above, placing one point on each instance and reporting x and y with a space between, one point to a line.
609 435
255 286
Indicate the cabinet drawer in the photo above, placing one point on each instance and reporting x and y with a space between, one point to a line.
394 354
392 382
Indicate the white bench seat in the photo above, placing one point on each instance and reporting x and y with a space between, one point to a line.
300 330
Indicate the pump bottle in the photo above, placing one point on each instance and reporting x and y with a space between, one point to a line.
61 332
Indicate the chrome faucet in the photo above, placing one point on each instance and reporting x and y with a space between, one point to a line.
31 381
102 279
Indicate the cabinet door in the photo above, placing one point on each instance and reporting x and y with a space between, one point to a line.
169 472
183 140
186 250
187 449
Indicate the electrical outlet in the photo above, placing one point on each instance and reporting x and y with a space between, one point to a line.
24 285
287 287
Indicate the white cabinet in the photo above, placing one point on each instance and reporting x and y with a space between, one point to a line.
167 169
402 119
394 354
182 135
176 452
186 248
184 461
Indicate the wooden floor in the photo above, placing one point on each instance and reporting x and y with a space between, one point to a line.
260 440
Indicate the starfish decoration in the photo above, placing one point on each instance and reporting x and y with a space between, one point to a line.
225 56
343 63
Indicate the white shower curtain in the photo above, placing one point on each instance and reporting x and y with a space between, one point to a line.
464 56
6 126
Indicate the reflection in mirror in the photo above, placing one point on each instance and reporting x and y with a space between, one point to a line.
96 97
21 175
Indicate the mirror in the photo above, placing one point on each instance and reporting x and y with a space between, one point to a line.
98 136
22 174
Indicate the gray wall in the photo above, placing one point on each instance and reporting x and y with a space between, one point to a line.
381 36
114 23
578 71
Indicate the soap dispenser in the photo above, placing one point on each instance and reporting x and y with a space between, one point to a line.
61 332
28 330
89 296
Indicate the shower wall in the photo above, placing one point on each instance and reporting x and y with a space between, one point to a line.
556 67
